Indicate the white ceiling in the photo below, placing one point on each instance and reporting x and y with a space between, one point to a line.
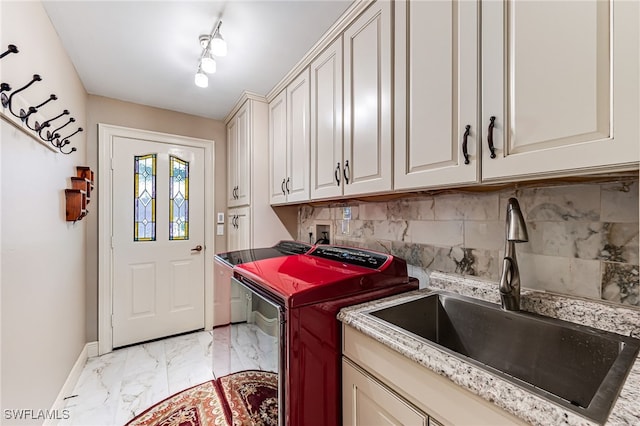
147 51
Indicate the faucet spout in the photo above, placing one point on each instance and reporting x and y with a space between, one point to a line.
510 285
516 232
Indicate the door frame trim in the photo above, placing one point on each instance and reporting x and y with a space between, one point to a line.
106 135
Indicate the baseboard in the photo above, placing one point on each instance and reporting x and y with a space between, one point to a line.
92 349
89 350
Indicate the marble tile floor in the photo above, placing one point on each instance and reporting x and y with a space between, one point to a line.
115 387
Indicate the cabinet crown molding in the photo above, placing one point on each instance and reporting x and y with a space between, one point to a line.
245 96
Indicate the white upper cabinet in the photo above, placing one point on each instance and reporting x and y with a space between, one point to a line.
278 148
326 123
298 138
560 84
367 102
239 158
432 94
289 140
436 93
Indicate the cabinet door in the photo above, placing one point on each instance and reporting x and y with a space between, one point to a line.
365 402
298 139
326 123
238 229
238 163
278 148
232 161
367 101
238 238
561 80
243 190
436 93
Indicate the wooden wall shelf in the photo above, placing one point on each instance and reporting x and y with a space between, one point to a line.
79 195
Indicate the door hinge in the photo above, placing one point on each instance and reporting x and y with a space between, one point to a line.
111 320
111 163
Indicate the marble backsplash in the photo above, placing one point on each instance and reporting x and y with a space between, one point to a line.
583 237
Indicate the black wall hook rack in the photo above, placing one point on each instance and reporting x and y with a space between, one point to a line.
7 100
52 137
32 109
10 49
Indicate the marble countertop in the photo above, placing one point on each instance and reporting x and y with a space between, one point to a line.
508 396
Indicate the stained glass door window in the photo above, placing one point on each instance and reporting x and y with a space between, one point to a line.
178 199
144 193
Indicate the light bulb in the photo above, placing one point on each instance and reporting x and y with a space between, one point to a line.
201 79
208 64
218 45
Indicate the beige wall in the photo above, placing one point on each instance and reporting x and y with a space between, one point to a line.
111 111
43 256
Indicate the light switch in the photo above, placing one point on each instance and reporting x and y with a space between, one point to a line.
220 230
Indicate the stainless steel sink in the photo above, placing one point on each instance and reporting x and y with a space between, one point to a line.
578 367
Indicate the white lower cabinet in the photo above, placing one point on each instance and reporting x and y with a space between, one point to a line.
366 401
381 386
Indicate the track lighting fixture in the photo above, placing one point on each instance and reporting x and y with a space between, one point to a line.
218 45
212 45
201 79
208 64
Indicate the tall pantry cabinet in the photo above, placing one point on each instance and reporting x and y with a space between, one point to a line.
250 220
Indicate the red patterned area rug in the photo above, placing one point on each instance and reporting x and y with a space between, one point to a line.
252 397
201 405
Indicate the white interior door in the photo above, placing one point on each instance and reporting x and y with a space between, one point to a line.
158 239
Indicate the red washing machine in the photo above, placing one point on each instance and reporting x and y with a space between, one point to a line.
303 294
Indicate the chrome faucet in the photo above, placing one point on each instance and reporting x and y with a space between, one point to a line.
510 278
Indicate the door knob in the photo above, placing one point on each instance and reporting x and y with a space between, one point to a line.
197 248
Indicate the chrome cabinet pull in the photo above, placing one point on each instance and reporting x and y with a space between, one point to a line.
464 144
490 136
